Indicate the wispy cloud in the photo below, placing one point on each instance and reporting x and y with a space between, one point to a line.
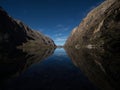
65 28
60 39
62 27
58 35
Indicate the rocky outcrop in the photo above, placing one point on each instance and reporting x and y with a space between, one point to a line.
14 33
100 28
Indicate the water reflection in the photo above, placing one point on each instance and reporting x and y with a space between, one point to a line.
101 67
14 62
56 72
50 69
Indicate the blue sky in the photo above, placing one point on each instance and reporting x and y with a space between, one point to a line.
54 18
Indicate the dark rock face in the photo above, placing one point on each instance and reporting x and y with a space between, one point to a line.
100 28
14 33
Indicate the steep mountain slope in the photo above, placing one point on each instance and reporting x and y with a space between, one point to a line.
14 33
100 28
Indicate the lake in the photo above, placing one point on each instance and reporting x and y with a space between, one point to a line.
59 69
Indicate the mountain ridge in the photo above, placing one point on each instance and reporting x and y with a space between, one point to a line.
15 33
99 28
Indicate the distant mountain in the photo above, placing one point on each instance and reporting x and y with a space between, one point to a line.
15 33
100 28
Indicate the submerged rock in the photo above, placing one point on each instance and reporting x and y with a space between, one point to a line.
99 28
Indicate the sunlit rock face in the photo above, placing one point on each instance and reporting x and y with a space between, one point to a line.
99 28
14 33
100 66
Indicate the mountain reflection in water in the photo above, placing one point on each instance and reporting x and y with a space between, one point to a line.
100 66
52 69
14 62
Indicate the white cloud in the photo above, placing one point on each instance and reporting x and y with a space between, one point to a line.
60 40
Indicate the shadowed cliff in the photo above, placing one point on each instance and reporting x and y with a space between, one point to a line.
20 47
14 33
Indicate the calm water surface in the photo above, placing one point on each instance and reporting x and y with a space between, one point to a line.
58 69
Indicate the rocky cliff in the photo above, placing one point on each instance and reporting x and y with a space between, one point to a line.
100 28
14 33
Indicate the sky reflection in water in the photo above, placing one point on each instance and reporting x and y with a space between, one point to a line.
58 72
